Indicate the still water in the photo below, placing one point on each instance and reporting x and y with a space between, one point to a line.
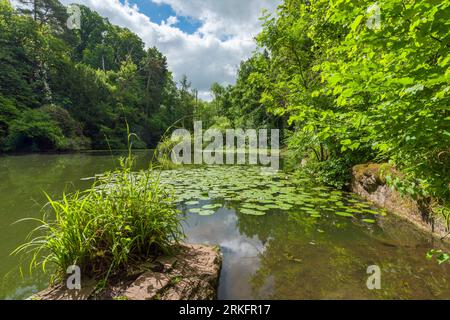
306 251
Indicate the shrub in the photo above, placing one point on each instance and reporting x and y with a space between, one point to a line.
71 129
34 130
62 117
163 152
122 219
8 112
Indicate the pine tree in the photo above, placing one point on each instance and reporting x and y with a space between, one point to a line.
50 12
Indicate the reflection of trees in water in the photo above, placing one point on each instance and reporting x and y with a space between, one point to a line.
300 262
32 174
23 179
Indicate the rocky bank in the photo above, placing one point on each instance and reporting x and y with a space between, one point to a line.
369 183
191 274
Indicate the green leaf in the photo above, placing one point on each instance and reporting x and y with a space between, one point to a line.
356 23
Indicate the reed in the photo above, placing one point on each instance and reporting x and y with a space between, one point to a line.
121 220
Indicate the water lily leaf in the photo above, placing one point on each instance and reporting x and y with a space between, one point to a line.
371 211
252 212
350 210
344 214
271 206
206 212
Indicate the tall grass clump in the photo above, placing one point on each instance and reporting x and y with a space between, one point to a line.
124 218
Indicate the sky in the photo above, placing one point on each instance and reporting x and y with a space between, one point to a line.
204 39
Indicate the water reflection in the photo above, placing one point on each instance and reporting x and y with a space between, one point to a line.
23 180
291 256
282 255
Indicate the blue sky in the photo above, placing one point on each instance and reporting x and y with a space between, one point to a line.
161 12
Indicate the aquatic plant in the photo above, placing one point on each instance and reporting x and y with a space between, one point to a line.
122 219
205 190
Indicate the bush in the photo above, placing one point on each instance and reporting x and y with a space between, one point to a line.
71 129
62 117
122 219
34 130
324 160
8 112
163 152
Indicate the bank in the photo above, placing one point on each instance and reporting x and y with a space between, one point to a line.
191 274
369 182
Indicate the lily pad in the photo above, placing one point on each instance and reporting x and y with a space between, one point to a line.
252 212
206 212
371 211
344 214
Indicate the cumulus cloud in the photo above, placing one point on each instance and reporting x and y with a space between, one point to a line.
213 52
235 18
172 20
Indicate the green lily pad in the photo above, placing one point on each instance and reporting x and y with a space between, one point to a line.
271 206
371 211
206 212
252 212
344 214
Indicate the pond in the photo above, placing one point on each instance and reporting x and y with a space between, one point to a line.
282 237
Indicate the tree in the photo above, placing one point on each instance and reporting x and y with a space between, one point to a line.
353 90
155 72
50 12
87 83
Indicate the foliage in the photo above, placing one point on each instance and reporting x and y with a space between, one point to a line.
240 106
352 90
163 152
34 130
71 129
8 112
101 75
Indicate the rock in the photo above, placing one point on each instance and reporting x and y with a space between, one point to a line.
192 274
147 286
368 182
60 292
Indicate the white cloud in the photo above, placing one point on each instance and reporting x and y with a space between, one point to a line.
236 18
213 53
172 20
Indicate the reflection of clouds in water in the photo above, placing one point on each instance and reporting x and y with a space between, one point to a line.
243 247
212 229
241 253
241 260
220 229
